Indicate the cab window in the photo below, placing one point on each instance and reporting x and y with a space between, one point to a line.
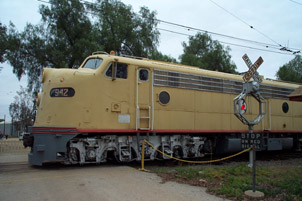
121 71
93 63
143 75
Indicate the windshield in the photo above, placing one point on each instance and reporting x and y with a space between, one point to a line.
93 63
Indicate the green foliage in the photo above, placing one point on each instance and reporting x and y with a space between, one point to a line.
292 71
66 36
3 42
69 32
188 173
156 55
284 183
63 39
208 54
292 186
124 31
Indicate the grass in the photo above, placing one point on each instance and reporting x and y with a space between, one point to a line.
277 183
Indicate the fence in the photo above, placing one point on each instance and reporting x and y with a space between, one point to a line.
12 145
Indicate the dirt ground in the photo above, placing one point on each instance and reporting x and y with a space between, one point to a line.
106 182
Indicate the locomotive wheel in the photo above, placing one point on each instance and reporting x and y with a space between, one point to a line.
74 154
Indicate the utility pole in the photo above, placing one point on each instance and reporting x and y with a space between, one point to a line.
12 129
4 127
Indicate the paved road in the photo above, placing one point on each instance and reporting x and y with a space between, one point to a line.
107 182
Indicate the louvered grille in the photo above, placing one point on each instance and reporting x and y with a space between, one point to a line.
204 83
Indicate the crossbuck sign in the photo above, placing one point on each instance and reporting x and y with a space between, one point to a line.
250 88
252 72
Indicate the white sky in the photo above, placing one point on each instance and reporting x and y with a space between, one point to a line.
281 20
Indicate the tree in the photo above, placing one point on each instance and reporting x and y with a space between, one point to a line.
66 36
123 30
3 42
156 55
22 110
291 71
63 39
208 54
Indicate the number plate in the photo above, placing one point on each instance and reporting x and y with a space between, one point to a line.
62 92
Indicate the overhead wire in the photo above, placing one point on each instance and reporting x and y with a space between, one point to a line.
266 45
189 28
282 48
227 43
296 2
214 33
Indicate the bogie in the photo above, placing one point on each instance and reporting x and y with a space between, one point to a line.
128 148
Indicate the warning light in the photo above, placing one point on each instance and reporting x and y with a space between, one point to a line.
112 52
241 106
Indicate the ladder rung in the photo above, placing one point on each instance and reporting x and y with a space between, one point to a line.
140 118
144 107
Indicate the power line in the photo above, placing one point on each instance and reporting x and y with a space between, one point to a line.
296 2
238 18
218 34
188 28
252 27
228 43
232 37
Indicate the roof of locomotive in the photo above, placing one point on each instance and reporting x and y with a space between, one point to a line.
144 62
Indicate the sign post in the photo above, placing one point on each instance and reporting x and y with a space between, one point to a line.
250 139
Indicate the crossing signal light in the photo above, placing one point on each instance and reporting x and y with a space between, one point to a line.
242 106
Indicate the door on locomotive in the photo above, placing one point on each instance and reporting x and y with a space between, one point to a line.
144 99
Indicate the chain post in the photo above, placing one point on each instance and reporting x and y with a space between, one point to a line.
143 158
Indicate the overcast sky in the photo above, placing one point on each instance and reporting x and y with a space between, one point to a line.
274 22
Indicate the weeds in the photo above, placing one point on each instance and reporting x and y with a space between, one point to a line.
277 183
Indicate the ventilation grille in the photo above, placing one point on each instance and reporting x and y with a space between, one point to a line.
204 83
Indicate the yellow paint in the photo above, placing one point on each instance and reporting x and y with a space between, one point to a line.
98 101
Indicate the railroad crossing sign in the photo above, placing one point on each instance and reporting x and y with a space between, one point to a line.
250 88
252 72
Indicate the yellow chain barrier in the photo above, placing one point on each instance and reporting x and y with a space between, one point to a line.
185 161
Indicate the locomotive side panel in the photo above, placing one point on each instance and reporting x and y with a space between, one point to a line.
115 101
178 113
200 111
208 105
297 115
281 119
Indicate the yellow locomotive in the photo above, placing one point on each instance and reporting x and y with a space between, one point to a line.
107 106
